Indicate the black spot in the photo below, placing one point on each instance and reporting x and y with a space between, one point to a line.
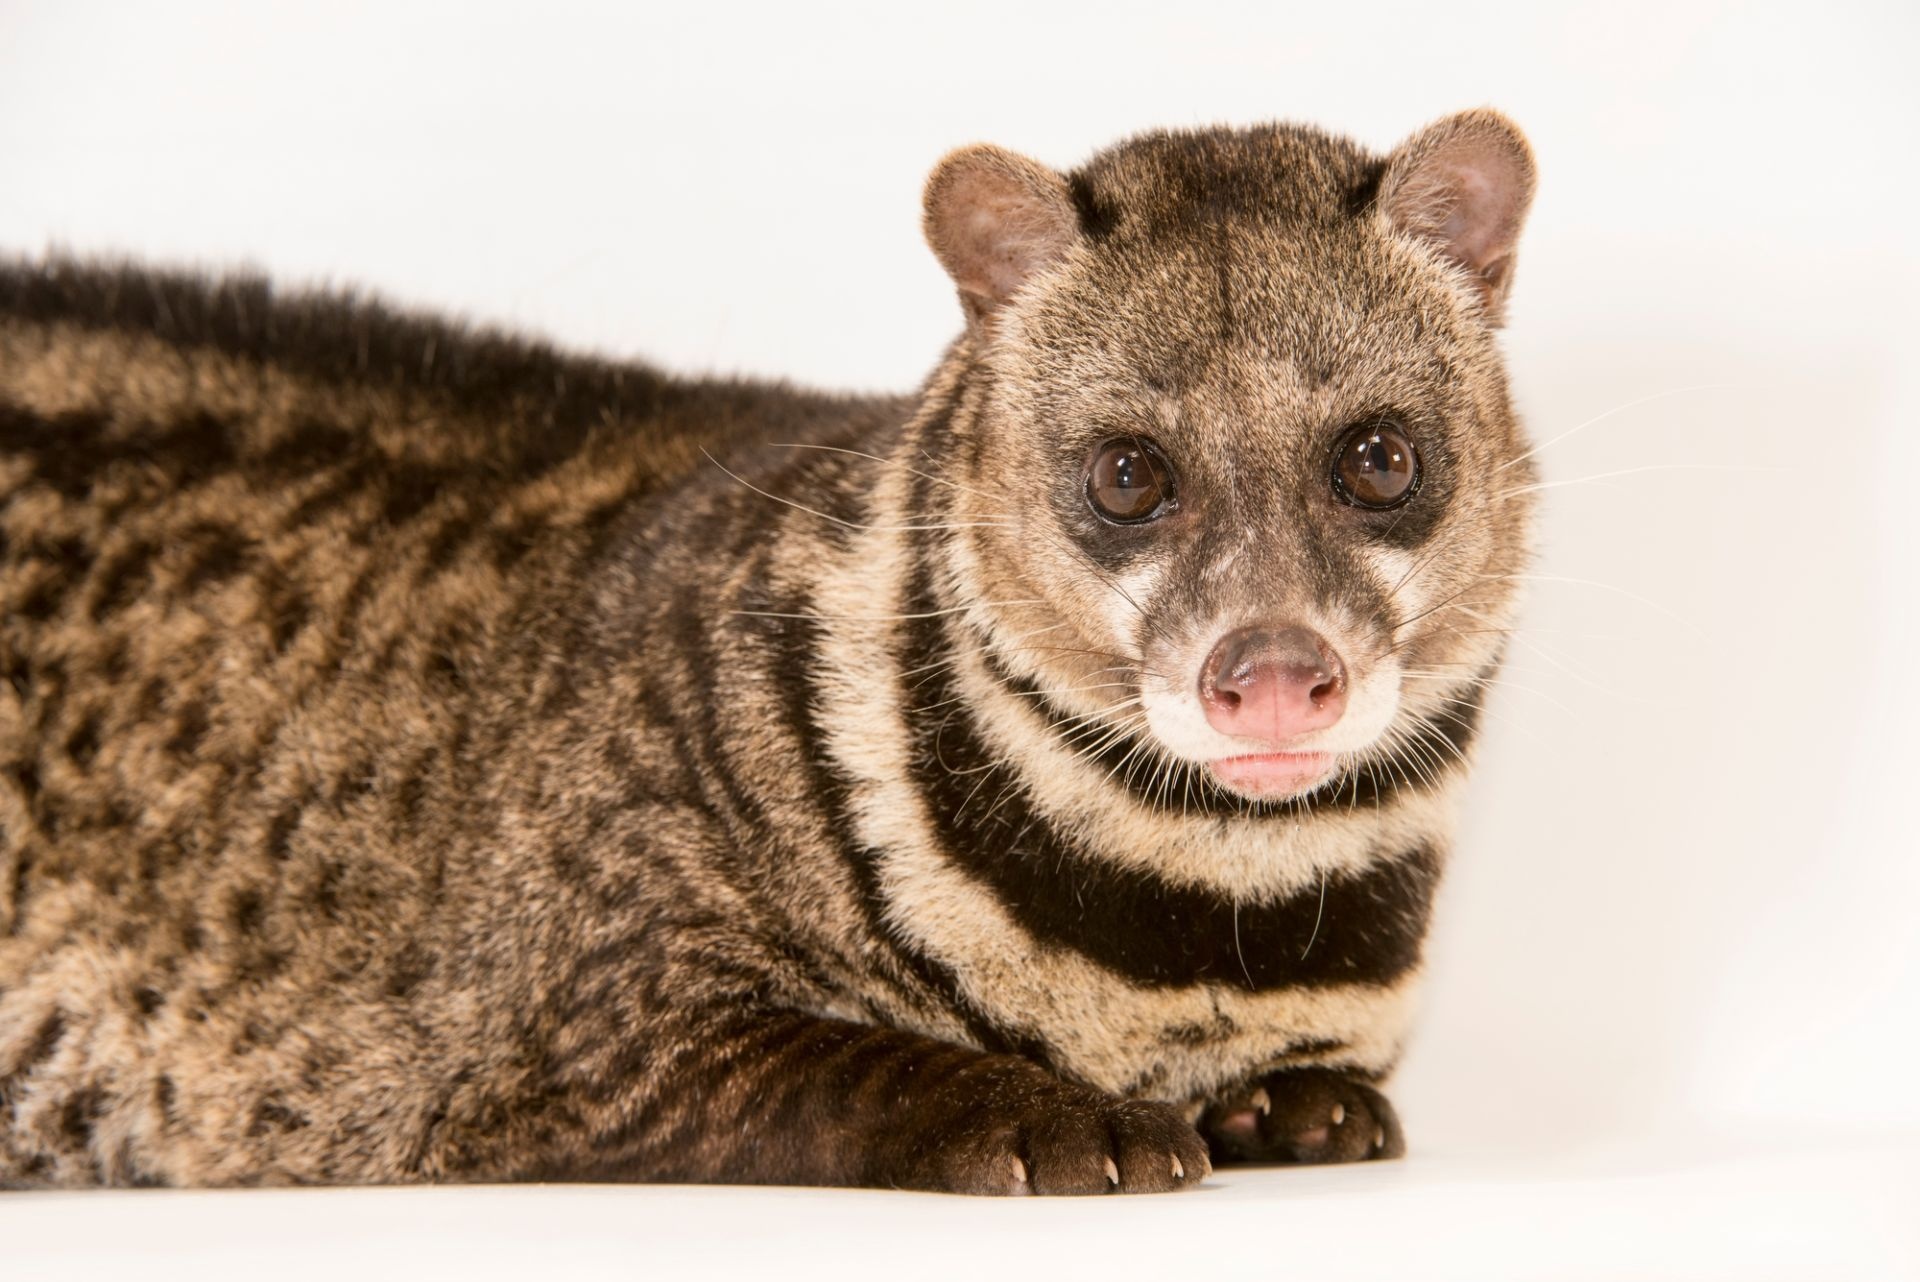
15 672
148 701
325 895
410 488
280 832
84 743
246 913
411 967
122 579
71 451
272 1115
42 600
1216 1029
27 777
444 671
221 553
46 1039
409 797
82 1109
63 564
148 999
189 730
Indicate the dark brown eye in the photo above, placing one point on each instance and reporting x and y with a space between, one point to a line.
1129 481
1376 466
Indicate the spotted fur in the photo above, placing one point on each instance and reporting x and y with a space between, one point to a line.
425 756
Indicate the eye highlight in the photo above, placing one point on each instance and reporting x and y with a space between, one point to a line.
1376 466
1129 481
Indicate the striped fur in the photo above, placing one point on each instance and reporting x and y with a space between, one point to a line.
424 756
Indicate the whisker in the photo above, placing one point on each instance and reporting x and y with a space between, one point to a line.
879 618
1618 409
878 458
1671 613
837 520
1636 471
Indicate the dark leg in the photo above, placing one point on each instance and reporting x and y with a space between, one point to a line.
1303 1115
793 1099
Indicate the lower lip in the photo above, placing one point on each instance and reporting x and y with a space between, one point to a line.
1273 774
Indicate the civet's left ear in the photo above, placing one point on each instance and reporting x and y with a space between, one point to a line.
1464 184
994 218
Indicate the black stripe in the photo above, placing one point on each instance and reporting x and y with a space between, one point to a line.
1364 928
796 643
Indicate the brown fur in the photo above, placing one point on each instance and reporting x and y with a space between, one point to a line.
427 757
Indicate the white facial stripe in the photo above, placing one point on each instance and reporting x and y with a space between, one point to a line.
1127 597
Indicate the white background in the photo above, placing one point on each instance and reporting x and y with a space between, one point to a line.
1675 1008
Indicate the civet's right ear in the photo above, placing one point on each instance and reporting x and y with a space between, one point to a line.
1463 184
994 218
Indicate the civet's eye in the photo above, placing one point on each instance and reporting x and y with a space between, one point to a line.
1129 481
1376 466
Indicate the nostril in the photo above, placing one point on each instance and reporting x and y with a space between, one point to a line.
1324 691
1227 699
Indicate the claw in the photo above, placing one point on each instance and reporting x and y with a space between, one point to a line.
1113 1173
1262 1101
1339 1114
1019 1170
1379 1137
1179 1171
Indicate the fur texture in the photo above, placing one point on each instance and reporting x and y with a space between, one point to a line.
427 757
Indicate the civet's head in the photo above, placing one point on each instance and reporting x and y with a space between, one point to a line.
1238 434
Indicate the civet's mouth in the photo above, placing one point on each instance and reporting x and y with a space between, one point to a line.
1272 775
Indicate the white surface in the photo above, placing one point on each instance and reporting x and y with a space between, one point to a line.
1700 1208
1685 900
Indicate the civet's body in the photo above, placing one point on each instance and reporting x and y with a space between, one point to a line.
427 757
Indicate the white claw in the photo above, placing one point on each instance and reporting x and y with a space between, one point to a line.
1019 1170
1263 1101
1179 1171
1113 1172
1339 1114
1379 1137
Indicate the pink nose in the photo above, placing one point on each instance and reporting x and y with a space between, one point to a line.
1272 685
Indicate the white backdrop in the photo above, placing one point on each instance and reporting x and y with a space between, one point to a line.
1682 918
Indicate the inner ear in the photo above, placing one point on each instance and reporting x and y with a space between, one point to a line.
994 218
1463 184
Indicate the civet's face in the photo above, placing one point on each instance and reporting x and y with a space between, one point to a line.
1258 466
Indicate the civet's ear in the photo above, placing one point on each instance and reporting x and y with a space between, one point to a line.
1464 183
994 218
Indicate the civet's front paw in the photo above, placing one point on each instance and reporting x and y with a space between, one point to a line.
1066 1140
1306 1115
